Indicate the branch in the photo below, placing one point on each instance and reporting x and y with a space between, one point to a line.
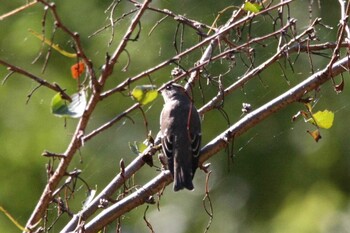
124 41
217 144
177 57
285 50
110 189
198 26
110 123
55 87
128 203
76 38
76 141
344 11
17 10
280 102
340 35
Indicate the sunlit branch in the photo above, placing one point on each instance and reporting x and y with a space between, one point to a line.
111 188
280 102
76 141
17 10
207 40
297 44
128 203
292 46
340 36
220 142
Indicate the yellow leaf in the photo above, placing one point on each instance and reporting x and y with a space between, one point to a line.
52 45
252 7
144 94
13 220
324 119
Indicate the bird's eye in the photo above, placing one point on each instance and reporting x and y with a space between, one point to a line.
168 87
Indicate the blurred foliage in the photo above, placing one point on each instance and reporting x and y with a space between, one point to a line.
279 179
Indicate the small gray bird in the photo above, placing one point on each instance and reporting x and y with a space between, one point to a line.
180 127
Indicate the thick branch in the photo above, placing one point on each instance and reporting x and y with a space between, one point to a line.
268 109
284 51
110 189
54 180
220 142
76 142
217 144
138 163
130 202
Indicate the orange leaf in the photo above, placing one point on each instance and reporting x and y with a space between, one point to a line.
77 69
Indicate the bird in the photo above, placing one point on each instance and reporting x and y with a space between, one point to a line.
180 128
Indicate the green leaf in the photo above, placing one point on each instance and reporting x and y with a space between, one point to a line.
58 105
144 94
252 7
74 109
133 148
137 147
141 146
323 119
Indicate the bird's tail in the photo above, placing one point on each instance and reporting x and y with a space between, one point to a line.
183 179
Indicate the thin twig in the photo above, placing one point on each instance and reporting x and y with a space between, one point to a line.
285 49
177 57
76 38
76 141
122 45
110 123
17 10
53 86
